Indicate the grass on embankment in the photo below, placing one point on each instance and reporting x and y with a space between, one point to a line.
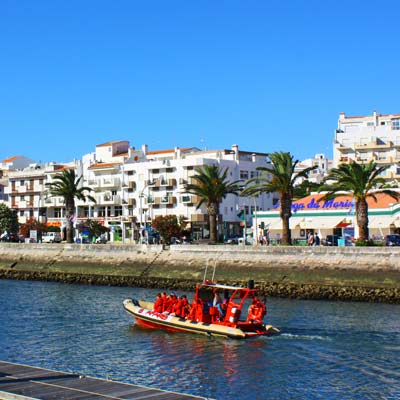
227 274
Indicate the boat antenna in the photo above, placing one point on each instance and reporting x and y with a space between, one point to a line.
205 272
215 266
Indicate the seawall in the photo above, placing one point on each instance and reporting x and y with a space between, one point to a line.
343 273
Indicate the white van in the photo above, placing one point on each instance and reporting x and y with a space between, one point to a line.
51 237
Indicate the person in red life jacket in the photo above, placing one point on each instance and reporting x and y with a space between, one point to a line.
172 301
158 304
165 300
181 307
253 311
185 307
256 311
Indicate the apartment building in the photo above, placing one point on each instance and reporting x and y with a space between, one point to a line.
373 137
133 186
323 166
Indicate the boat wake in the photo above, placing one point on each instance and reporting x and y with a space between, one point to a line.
290 336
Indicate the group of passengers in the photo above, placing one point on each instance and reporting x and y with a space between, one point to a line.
202 311
171 304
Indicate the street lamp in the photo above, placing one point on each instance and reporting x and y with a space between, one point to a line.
141 195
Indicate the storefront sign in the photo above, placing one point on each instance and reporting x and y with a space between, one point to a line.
314 204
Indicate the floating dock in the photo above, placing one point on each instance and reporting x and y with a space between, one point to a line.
22 382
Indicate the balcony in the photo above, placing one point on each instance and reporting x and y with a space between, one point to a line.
383 160
373 145
199 218
168 200
190 200
111 182
167 182
343 147
108 198
131 186
132 202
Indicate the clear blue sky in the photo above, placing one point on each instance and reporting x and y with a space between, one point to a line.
266 75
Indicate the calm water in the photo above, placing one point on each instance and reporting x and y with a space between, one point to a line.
327 350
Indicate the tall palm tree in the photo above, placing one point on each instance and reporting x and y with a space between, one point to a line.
211 186
66 185
279 177
363 181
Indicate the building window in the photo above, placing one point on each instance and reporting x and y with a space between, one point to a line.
101 212
244 174
57 213
21 182
118 211
22 198
246 210
396 124
253 174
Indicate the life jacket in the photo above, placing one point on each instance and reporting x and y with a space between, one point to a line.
158 304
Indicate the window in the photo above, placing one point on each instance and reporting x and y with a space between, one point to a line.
101 212
244 174
21 182
253 174
246 210
396 124
57 213
22 198
370 124
118 211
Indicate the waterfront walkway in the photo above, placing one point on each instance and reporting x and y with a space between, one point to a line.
22 382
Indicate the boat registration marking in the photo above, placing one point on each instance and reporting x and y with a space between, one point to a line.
154 314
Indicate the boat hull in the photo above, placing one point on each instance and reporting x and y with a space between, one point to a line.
144 316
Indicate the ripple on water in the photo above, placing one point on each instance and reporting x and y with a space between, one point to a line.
327 350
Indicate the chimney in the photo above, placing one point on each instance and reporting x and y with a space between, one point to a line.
177 153
254 157
235 149
145 149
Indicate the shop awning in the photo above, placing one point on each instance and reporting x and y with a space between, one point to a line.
323 222
380 221
277 224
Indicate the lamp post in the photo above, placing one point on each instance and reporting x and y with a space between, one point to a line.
141 195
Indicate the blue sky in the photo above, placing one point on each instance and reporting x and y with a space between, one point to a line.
266 75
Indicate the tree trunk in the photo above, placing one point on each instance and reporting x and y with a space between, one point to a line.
69 214
285 214
362 219
212 210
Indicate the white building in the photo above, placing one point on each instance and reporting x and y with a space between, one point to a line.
323 166
132 186
364 138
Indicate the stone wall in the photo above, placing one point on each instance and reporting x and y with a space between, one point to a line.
336 258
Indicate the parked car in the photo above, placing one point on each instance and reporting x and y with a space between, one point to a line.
101 239
392 240
10 237
333 240
233 240
51 237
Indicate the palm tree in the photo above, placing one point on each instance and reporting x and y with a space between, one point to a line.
211 186
280 177
66 185
363 181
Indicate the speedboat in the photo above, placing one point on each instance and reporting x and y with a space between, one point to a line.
227 319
